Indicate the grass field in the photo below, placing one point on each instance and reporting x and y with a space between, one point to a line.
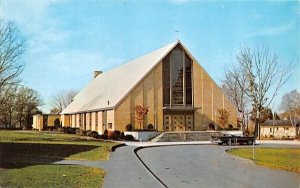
52 176
55 145
280 158
26 159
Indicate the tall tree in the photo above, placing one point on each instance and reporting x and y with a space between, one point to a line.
27 103
290 103
265 76
12 46
235 92
62 99
8 102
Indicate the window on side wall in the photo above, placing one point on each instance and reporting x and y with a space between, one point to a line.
109 125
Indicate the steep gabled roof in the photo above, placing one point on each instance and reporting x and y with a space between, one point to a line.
109 88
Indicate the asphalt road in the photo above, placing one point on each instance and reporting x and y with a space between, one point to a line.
210 166
187 166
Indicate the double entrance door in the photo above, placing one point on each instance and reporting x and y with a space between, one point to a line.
178 122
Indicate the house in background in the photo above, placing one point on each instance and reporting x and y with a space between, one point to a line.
44 121
179 93
280 129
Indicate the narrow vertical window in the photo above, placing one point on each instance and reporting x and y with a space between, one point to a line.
188 80
96 120
177 76
166 80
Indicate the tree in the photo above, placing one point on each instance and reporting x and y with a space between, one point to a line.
235 92
62 99
290 103
27 103
264 77
223 117
140 113
12 46
7 97
265 114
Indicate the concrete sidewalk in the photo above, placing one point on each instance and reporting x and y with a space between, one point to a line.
285 142
149 144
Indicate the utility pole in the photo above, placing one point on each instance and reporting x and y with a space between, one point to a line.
273 124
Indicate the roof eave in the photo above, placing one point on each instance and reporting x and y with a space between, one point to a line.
88 111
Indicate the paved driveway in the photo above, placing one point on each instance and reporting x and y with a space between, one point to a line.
211 166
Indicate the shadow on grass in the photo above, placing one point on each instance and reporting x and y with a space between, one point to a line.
19 155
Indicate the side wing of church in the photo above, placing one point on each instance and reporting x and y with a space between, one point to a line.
179 94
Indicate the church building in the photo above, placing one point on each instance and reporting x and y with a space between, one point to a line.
179 94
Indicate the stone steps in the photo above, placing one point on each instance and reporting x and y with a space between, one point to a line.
157 138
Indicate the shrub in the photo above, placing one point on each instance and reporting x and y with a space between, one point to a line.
61 129
94 134
81 132
122 136
49 128
129 138
56 123
113 136
150 127
89 133
117 132
104 135
129 127
77 131
70 130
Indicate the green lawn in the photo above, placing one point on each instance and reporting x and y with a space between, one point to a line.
26 159
52 176
280 158
56 145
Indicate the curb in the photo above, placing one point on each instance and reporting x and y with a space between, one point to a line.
154 175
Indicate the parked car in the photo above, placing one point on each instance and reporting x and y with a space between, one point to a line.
233 139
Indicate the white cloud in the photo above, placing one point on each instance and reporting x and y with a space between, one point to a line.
31 17
24 11
275 30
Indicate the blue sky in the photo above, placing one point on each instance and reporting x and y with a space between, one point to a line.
68 39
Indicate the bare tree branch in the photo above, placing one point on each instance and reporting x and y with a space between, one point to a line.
62 99
264 77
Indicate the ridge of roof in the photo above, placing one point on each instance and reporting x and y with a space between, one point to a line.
108 89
